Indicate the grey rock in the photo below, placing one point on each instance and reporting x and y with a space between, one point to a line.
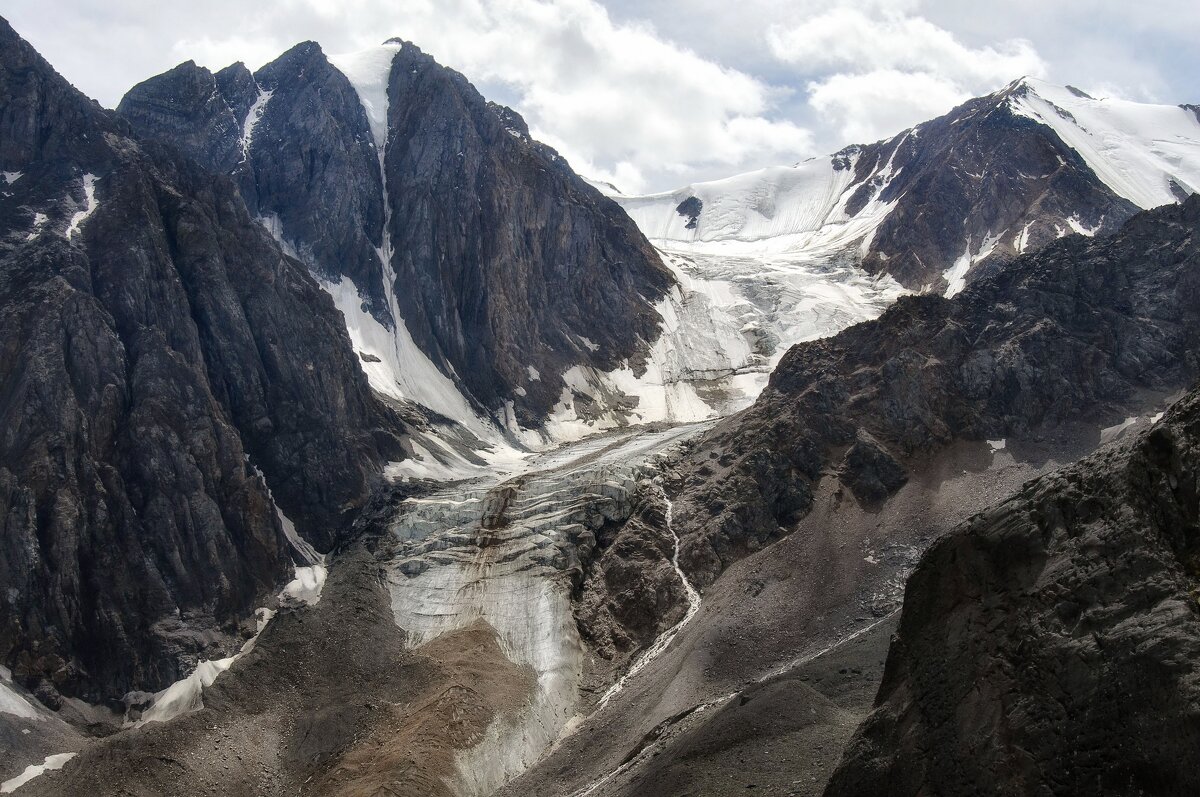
151 362
504 258
870 470
1072 334
1051 645
975 173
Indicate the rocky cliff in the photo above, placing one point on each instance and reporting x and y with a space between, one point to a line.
983 181
504 267
165 370
1074 334
1052 644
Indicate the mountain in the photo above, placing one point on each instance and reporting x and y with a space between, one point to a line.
299 490
168 375
473 266
995 177
1052 642
800 518
1077 333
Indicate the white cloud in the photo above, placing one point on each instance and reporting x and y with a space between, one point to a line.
616 99
655 93
876 74
619 101
872 105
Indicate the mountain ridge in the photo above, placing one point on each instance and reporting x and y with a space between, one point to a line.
1007 167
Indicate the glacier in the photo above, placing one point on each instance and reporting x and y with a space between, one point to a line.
1139 150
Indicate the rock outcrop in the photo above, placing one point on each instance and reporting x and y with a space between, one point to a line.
500 260
1051 645
165 370
1072 334
982 181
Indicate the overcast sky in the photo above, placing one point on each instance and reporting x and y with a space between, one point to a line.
652 94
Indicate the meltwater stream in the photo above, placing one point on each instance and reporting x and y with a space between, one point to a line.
667 637
505 552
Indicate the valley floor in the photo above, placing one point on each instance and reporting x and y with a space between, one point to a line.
384 688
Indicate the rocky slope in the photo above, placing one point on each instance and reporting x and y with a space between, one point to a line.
475 245
802 516
165 371
1052 643
997 176
1077 333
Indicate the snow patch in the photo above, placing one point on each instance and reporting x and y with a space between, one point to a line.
396 366
11 177
307 585
1021 241
997 445
89 191
52 762
956 275
368 72
1077 226
253 117
13 703
1110 433
39 221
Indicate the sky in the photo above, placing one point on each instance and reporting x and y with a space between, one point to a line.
652 95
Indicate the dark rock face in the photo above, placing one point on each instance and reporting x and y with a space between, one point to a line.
303 156
1071 333
504 259
193 114
158 349
1052 644
690 209
980 173
316 169
870 470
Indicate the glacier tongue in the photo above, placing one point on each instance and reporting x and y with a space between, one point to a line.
505 553
737 310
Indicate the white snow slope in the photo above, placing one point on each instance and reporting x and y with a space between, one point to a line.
1136 149
776 234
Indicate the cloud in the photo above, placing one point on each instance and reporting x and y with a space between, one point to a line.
619 101
872 105
651 94
876 74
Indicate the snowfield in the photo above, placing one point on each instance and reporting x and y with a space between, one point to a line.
1138 150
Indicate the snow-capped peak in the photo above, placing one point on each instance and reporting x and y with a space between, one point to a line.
1149 154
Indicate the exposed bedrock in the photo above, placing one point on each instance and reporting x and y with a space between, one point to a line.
1051 645
501 259
1078 334
165 371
